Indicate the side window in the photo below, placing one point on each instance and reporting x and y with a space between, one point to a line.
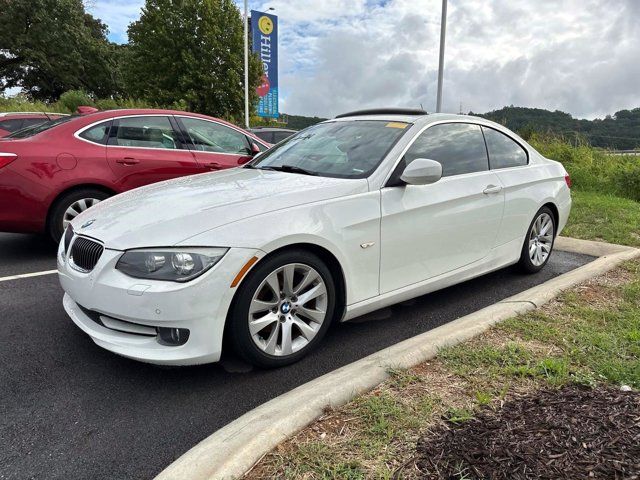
212 137
503 152
98 133
148 132
459 147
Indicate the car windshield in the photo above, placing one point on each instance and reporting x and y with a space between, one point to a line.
343 149
30 131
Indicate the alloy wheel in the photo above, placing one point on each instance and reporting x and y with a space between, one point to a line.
76 208
288 309
541 239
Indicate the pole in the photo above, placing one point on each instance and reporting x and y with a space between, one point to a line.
443 31
246 63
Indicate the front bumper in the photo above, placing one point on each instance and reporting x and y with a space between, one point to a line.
199 306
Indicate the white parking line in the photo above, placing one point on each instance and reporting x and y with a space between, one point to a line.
27 275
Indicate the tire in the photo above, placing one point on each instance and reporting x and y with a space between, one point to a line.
264 344
537 247
81 199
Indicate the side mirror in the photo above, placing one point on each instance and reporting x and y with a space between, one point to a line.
422 171
255 149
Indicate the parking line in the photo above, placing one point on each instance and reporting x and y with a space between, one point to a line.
27 275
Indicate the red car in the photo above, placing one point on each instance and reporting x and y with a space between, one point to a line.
51 172
13 121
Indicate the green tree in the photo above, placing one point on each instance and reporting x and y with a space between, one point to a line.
51 46
191 51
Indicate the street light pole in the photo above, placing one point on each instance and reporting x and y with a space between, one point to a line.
443 30
246 63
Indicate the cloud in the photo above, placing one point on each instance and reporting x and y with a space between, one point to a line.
117 14
579 56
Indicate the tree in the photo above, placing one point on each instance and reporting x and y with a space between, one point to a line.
50 46
190 50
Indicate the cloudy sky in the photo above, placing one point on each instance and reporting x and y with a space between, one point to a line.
579 56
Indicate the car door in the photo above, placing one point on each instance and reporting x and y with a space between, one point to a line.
428 230
215 146
509 160
146 149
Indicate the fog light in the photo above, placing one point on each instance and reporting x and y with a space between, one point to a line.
172 337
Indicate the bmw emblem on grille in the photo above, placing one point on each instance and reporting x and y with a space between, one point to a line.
88 224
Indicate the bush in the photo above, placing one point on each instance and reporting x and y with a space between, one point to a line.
592 169
20 103
73 99
628 180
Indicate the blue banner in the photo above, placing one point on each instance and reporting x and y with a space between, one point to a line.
264 28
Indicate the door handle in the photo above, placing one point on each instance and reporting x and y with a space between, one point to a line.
492 189
213 166
128 161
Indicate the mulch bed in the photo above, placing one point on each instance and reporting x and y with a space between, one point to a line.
572 432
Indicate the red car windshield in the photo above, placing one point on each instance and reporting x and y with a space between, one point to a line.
31 131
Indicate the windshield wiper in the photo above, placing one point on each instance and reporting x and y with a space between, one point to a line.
290 169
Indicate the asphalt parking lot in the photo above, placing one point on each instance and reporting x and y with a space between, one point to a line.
69 409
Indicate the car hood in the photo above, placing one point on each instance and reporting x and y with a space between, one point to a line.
170 212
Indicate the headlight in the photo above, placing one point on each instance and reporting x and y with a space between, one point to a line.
176 265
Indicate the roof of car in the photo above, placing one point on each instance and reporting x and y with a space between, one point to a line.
395 115
106 114
43 114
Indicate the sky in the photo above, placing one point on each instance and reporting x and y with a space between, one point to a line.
578 56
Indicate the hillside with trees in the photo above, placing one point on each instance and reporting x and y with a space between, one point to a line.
620 131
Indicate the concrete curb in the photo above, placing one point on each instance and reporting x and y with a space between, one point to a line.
232 450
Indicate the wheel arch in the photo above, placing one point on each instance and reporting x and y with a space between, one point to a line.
556 214
71 189
325 255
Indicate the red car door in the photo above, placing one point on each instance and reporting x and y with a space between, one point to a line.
216 146
146 149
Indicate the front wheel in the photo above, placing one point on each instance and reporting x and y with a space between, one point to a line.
538 243
283 309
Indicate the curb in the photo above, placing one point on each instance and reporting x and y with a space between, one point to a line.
235 448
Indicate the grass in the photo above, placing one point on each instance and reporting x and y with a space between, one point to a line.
589 336
608 218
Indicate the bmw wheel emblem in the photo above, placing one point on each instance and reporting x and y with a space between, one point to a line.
285 307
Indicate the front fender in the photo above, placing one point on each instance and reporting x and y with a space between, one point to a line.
340 226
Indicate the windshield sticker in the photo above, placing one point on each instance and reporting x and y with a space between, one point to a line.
396 125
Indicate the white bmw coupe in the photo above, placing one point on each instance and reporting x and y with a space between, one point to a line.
348 216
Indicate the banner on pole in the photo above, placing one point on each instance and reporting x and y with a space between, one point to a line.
264 28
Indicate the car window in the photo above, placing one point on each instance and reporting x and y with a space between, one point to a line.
11 125
41 127
279 136
459 147
146 132
213 137
503 152
266 136
98 133
30 122
344 149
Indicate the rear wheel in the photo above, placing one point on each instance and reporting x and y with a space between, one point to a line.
538 244
70 206
283 309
